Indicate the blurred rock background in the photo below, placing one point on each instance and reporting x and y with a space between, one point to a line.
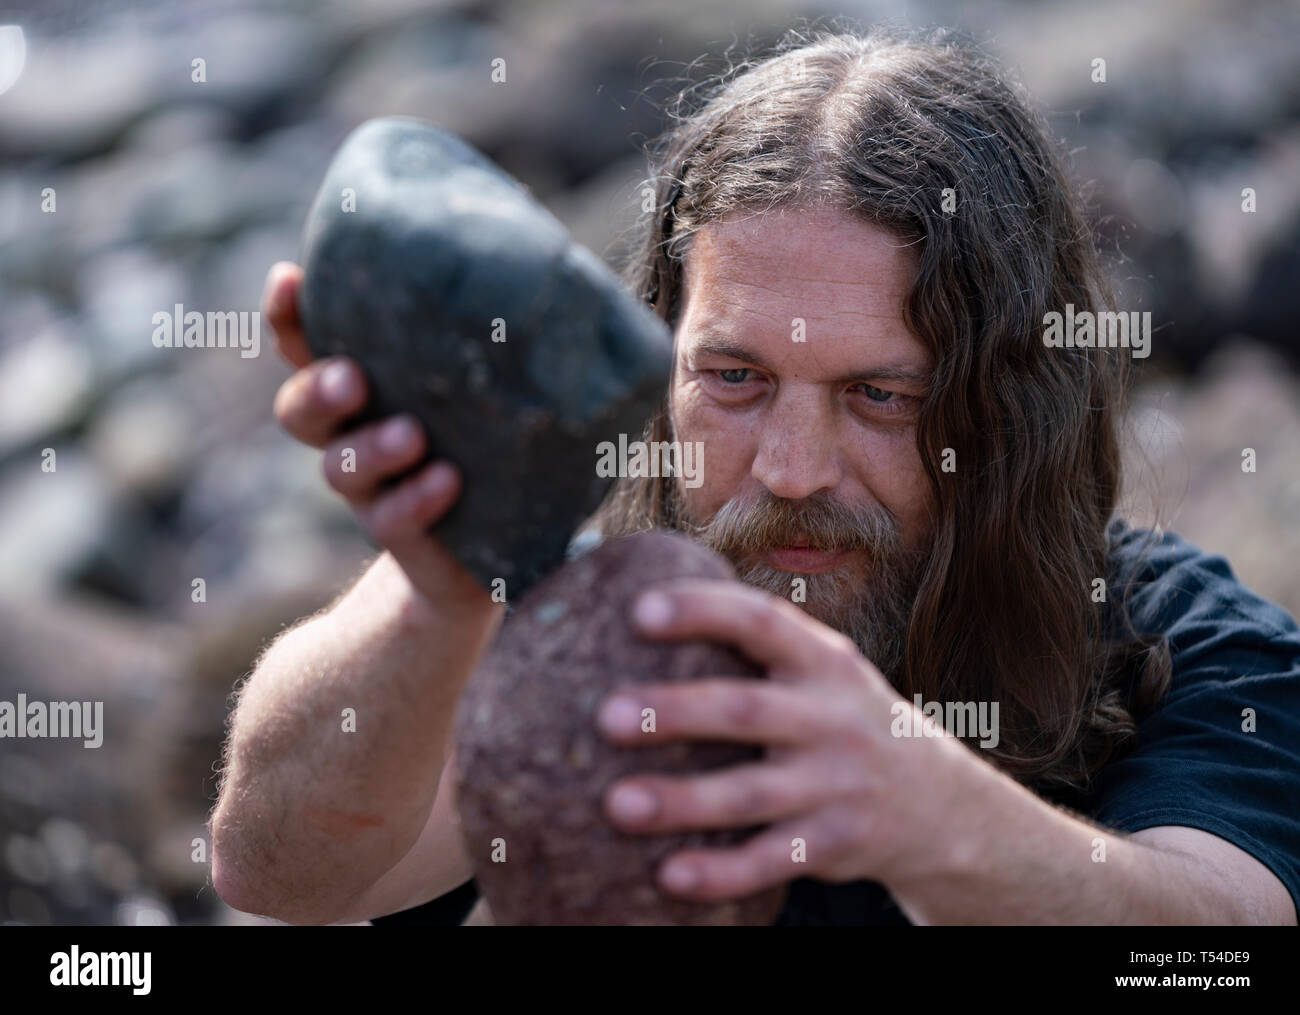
169 190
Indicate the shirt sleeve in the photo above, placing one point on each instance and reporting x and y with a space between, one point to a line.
447 910
1221 753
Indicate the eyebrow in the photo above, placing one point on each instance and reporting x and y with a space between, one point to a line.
884 372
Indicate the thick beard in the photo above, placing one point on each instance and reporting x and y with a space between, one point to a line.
870 604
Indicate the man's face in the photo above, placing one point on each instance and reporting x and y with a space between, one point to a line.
810 465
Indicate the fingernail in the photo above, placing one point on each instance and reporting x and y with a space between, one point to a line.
631 803
653 610
396 435
336 382
438 479
620 716
680 877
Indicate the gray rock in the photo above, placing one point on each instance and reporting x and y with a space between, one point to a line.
207 191
76 95
45 385
123 291
440 246
50 522
142 438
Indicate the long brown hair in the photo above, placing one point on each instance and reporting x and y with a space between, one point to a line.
879 124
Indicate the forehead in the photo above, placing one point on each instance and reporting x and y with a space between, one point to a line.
803 255
751 273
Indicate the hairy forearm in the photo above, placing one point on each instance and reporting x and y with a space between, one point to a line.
318 801
1010 857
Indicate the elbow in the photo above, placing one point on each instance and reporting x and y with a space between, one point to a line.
259 897
236 891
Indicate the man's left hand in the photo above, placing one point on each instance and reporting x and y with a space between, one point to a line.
832 775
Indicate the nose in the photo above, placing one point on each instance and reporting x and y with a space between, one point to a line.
797 452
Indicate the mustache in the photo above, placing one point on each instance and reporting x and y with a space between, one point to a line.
818 521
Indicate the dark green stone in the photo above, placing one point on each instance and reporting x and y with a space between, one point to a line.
441 244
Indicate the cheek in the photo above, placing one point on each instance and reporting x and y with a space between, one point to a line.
728 445
891 470
696 417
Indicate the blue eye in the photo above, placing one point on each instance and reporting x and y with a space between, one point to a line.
875 394
734 370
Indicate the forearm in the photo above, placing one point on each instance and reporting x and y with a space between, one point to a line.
1009 857
310 809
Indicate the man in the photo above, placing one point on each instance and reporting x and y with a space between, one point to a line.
856 242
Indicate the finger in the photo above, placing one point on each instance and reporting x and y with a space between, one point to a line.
799 847
731 709
739 796
766 628
315 403
357 464
280 308
399 519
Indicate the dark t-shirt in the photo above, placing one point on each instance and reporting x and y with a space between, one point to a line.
1193 763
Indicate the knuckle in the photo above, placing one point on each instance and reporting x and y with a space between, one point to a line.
845 645
661 702
748 799
759 610
412 499
765 610
432 492
743 706
837 833
343 480
749 875
839 645
385 533
666 706
367 454
387 522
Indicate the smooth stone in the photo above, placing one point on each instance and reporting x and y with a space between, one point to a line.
534 768
442 244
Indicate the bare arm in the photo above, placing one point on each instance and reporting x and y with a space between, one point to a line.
1013 858
338 743
310 817
434 866
955 839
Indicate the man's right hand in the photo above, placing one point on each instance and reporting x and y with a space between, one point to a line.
315 823
315 405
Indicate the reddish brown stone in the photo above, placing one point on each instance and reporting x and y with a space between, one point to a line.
534 768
